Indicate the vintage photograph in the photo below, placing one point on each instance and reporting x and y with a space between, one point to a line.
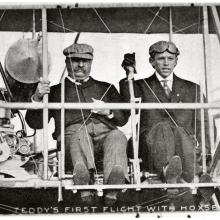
109 108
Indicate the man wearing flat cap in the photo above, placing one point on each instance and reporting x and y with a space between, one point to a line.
169 139
92 140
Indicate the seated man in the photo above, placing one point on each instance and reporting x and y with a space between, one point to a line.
89 135
168 138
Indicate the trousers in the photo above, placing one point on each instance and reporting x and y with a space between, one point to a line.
161 143
97 146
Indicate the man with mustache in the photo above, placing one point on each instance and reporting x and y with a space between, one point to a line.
169 139
92 140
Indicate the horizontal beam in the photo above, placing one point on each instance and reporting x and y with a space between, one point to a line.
68 184
59 105
146 186
16 5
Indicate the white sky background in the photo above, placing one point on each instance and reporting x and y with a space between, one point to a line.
109 50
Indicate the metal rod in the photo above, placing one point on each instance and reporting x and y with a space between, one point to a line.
216 20
77 38
45 99
84 105
171 24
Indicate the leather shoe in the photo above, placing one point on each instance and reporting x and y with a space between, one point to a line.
111 198
173 170
87 197
116 177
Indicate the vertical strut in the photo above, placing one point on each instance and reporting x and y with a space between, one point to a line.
171 25
216 20
34 26
62 164
208 76
45 99
135 135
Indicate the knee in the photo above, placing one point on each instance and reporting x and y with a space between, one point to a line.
117 136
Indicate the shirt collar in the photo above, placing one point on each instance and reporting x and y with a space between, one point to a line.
78 82
160 78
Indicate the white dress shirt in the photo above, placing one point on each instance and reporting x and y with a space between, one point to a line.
75 81
169 80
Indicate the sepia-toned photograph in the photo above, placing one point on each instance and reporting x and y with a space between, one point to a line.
109 108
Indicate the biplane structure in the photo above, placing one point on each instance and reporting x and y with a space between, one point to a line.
46 167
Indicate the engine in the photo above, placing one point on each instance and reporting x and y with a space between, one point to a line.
12 143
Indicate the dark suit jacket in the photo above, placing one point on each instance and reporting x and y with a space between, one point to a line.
182 91
88 90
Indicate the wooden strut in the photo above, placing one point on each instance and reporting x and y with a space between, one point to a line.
216 154
216 20
135 134
207 72
45 99
67 183
86 105
171 25
17 5
62 153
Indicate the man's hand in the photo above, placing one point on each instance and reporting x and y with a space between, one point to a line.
42 89
129 65
129 72
105 112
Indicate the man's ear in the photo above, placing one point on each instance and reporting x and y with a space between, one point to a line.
176 61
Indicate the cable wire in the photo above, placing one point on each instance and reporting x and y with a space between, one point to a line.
101 20
156 15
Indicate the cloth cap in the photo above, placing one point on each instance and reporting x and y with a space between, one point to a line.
83 51
162 46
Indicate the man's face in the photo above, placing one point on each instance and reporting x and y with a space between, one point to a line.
78 68
164 63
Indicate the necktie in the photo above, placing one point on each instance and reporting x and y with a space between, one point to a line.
166 88
79 82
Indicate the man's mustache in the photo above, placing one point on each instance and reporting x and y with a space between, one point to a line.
79 69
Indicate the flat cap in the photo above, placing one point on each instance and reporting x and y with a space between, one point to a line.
83 51
162 46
